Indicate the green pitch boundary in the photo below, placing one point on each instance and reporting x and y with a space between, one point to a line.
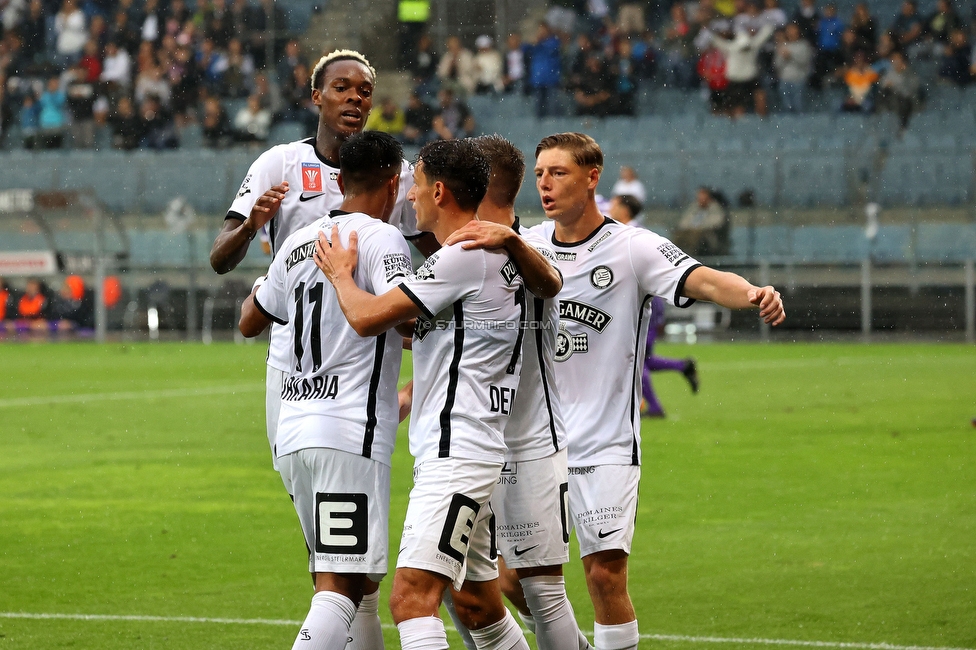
649 637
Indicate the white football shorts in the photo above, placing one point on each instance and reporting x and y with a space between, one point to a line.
447 514
603 506
343 503
531 512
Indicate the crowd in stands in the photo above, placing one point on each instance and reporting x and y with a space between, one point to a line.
749 56
141 70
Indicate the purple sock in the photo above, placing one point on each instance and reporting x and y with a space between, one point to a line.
651 405
660 363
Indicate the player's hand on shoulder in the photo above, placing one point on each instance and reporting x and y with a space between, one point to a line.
770 304
333 258
481 234
266 207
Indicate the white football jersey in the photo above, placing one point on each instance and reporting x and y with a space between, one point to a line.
535 429
466 353
340 390
313 193
608 281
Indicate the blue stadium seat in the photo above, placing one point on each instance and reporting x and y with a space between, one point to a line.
946 242
662 178
30 170
283 132
199 176
829 243
892 244
114 176
812 179
734 174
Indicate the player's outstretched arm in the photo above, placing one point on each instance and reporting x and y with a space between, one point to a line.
233 240
367 314
253 320
538 273
735 292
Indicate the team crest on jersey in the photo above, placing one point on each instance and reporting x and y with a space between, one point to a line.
568 344
311 177
333 176
584 314
601 277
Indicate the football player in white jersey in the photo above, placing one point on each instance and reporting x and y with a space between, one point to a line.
532 532
610 272
469 306
338 416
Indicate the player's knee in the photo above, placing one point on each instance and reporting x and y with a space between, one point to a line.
414 594
479 607
607 575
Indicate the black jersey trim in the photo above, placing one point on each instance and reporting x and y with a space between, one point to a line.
272 234
233 214
374 382
444 447
539 306
523 311
417 236
268 314
606 220
417 301
338 213
681 287
318 155
636 379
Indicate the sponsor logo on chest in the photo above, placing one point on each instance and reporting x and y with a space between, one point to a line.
311 177
584 314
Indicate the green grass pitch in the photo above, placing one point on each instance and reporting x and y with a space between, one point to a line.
809 493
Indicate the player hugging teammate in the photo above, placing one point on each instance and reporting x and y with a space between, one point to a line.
506 325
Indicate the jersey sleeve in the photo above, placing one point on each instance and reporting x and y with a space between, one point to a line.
661 267
264 172
449 275
271 298
405 217
386 259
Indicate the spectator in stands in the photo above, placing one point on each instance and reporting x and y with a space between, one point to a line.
829 56
212 64
488 67
859 79
864 28
676 41
268 25
544 69
908 28
630 18
515 61
217 24
594 94
33 31
91 61
704 226
742 54
238 78
418 121
623 69
252 123
773 15
582 50
453 118
126 35
712 69
292 57
98 32
34 306
807 18
898 90
941 24
52 115
217 131
75 305
389 118
80 94
185 80
116 68
127 130
70 32
456 68
150 29
298 104
151 82
424 67
629 184
956 61
793 62
158 127
29 119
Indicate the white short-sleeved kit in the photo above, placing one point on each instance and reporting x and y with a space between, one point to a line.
340 390
313 193
608 281
466 353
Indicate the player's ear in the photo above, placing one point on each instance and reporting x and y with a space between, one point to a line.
341 183
440 193
316 96
593 178
393 186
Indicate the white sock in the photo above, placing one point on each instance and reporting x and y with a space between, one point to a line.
366 631
423 633
503 635
327 625
616 637
461 629
555 621
528 621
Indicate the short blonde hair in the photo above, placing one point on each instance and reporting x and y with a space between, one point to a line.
584 149
338 55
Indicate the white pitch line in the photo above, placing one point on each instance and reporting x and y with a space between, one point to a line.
14 402
650 637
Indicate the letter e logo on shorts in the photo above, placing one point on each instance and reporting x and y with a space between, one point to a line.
311 177
341 525
457 527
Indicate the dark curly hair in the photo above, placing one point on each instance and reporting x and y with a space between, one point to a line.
369 159
461 166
